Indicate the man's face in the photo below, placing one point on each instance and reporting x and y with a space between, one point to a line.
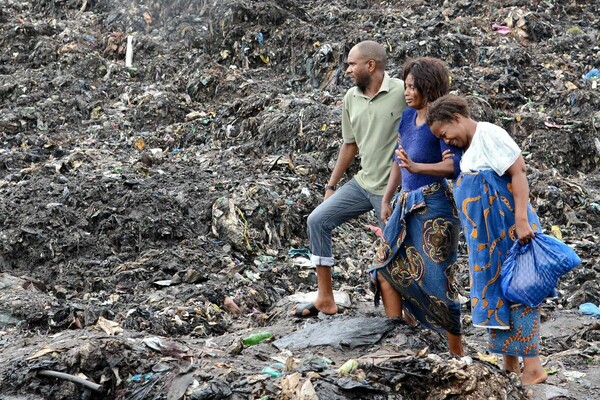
358 69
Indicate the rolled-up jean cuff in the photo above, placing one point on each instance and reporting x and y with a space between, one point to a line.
322 261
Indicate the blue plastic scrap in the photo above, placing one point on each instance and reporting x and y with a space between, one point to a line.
141 377
590 309
299 253
592 75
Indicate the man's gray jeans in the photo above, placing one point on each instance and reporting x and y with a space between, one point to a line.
348 202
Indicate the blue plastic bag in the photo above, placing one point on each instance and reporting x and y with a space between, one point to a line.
530 272
590 309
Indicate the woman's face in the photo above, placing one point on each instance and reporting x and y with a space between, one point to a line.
453 133
411 94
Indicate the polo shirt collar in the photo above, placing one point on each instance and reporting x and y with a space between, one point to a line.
385 84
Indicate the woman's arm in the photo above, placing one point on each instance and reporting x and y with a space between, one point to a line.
520 188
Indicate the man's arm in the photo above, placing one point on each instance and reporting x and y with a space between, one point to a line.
345 157
392 186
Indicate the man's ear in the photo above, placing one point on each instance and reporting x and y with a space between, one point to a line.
372 65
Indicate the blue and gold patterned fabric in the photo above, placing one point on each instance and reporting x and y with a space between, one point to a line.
486 205
523 337
417 253
487 212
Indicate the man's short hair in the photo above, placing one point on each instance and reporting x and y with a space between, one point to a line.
372 50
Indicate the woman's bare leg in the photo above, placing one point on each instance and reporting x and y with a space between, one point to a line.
392 301
455 344
511 364
533 372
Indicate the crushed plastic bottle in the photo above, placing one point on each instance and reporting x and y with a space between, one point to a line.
256 338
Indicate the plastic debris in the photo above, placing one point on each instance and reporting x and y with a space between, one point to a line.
590 309
274 370
555 230
256 338
143 154
299 253
348 367
501 29
110 327
490 358
593 74
351 333
214 389
141 377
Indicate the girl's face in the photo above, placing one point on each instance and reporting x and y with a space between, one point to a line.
454 133
411 94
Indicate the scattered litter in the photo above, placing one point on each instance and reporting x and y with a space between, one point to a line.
158 161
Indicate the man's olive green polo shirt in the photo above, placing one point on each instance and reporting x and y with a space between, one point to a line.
372 124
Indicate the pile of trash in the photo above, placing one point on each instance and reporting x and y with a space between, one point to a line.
158 161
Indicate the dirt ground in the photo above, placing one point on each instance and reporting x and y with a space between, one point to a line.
153 215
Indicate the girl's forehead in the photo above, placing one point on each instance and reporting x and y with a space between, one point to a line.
436 126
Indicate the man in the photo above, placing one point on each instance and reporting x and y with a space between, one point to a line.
371 113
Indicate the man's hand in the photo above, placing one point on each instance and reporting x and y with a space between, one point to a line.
328 193
386 211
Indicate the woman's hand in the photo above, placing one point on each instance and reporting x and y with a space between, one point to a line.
447 154
524 231
405 160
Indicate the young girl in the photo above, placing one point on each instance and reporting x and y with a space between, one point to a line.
492 195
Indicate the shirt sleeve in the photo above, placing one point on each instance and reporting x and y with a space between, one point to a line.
457 151
347 131
499 149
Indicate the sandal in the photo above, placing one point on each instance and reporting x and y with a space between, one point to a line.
312 310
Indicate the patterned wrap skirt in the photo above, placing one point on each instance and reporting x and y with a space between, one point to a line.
486 205
418 252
